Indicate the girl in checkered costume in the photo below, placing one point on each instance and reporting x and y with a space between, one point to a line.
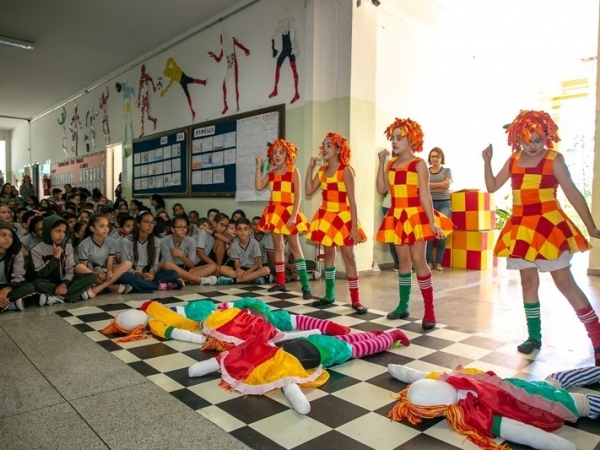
336 222
410 222
539 236
282 216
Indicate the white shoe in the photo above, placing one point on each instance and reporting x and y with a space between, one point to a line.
52 299
10 307
208 281
127 288
314 275
84 295
19 304
43 299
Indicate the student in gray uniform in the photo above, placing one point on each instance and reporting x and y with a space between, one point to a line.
265 240
96 254
34 237
211 242
109 213
52 264
126 222
178 253
142 248
13 287
245 253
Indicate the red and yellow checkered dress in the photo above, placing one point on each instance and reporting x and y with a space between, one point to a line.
332 223
281 204
538 227
406 222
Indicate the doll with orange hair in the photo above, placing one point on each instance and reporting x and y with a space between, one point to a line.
411 220
282 216
336 222
539 236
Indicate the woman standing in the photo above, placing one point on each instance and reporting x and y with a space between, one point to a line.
440 179
27 189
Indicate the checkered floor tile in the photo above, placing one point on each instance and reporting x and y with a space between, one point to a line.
350 410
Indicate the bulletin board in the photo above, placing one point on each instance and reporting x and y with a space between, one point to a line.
160 164
84 171
222 153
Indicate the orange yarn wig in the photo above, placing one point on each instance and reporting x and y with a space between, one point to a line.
290 149
342 145
408 128
528 122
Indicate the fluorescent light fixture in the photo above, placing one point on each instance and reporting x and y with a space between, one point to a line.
4 40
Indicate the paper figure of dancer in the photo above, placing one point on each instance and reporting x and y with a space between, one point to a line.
103 104
174 73
284 43
128 96
144 92
228 45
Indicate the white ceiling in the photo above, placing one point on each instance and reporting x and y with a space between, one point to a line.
78 43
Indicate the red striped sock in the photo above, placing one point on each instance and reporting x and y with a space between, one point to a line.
280 273
357 337
426 287
353 286
589 319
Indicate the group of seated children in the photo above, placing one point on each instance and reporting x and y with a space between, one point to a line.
76 255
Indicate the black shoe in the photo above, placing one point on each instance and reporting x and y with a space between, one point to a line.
307 295
427 325
398 315
277 288
323 302
529 345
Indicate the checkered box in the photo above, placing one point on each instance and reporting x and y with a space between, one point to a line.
473 249
473 210
447 258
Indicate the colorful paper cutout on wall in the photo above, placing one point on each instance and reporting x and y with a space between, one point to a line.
103 104
90 136
128 94
285 45
74 128
228 46
174 73
61 122
144 92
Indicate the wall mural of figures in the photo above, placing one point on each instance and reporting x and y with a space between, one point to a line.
284 45
61 122
90 136
103 104
175 74
74 128
146 82
228 46
128 94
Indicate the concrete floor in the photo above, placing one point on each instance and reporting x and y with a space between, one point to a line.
59 389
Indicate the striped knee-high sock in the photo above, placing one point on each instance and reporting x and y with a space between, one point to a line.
534 321
280 273
404 288
330 283
353 286
372 346
577 377
426 287
303 322
302 273
594 400
589 319
357 337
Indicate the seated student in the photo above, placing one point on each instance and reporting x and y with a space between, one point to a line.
96 254
33 202
52 264
178 210
56 199
6 215
142 248
125 222
211 213
13 287
245 253
134 207
265 240
25 220
109 213
163 227
193 217
237 214
71 220
71 208
78 236
84 216
211 242
19 225
178 253
34 236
